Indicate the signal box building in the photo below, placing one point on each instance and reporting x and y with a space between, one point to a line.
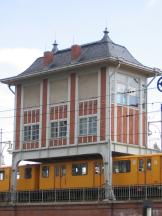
85 100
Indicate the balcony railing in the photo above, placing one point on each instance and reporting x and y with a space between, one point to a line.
142 192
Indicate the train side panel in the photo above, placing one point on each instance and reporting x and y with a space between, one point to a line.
153 170
28 178
124 171
72 174
46 176
5 176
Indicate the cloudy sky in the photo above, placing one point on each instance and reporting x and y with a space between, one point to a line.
28 28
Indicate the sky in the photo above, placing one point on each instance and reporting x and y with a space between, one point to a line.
29 27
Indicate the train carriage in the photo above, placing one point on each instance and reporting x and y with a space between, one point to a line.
137 170
5 179
71 174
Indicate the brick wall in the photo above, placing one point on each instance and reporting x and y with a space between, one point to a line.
126 208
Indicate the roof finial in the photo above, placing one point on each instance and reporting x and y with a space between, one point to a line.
106 36
55 48
106 32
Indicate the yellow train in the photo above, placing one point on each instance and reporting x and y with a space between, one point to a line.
85 172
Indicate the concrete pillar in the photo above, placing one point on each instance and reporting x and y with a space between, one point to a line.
107 161
14 170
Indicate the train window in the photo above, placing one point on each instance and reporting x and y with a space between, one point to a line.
122 166
18 175
79 169
2 175
149 164
57 173
141 165
45 171
97 168
28 173
63 171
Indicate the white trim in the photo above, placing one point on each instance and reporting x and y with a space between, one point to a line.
115 106
14 122
68 110
76 110
108 104
99 105
48 115
40 113
22 118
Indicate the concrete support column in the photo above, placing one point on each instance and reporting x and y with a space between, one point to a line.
14 170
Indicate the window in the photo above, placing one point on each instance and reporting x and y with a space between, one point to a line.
141 165
149 164
45 171
88 126
127 90
79 169
2 175
97 168
27 133
57 173
28 173
58 129
63 171
122 166
31 132
18 175
133 91
35 132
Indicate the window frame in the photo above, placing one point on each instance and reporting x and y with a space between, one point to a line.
56 131
129 94
122 166
80 167
45 171
26 174
87 127
31 132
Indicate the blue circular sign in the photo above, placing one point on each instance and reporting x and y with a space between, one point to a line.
159 84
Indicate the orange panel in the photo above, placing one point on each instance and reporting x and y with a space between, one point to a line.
5 181
28 183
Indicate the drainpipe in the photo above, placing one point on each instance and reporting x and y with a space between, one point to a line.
9 86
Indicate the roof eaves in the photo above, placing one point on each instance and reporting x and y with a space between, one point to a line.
149 71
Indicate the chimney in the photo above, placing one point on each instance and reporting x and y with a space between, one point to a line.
75 52
48 58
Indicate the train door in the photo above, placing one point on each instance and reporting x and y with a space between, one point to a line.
141 173
149 170
60 176
153 170
97 174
